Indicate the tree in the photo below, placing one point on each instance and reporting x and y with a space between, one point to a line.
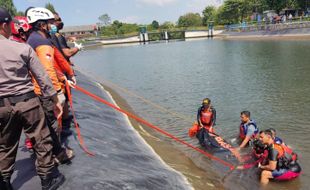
234 11
50 7
155 24
209 14
105 20
118 28
20 13
276 5
9 5
167 25
190 19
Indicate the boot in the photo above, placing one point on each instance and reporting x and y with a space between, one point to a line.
52 183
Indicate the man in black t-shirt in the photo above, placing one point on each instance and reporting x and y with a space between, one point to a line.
61 44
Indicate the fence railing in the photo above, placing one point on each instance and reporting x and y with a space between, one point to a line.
256 26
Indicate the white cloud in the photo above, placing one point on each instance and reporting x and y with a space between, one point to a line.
130 19
156 2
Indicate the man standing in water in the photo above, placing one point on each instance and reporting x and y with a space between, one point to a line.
248 128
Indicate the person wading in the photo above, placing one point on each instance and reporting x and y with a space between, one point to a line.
248 129
206 117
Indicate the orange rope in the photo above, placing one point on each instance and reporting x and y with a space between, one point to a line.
153 127
77 128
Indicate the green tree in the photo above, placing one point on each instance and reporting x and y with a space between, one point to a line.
296 4
234 11
167 25
9 5
190 19
303 4
20 13
50 7
276 5
117 24
230 11
155 24
118 28
209 14
105 20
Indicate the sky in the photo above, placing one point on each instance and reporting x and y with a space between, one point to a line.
82 12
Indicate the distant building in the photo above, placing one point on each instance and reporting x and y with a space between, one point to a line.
80 31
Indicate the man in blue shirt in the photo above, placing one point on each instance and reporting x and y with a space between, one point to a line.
248 128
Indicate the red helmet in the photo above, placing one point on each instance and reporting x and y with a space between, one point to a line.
21 26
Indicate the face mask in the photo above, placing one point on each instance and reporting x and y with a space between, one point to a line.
53 29
60 26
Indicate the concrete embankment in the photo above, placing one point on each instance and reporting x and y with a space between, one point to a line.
285 34
136 39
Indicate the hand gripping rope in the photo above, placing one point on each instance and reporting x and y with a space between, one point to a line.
140 120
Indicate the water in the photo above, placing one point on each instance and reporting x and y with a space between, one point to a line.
269 78
122 159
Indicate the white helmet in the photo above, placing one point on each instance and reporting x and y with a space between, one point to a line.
39 13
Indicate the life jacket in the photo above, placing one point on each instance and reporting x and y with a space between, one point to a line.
194 130
62 67
244 129
277 140
286 156
206 117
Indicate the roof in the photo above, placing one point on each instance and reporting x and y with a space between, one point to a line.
82 28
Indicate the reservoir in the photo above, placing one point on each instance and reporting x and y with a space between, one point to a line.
269 78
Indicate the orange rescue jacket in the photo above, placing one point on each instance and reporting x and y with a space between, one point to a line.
46 56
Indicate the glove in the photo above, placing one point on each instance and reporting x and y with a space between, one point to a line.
73 80
61 98
79 46
71 84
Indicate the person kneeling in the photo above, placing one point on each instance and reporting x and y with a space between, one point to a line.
282 165
206 117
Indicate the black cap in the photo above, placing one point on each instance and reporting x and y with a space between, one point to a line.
5 15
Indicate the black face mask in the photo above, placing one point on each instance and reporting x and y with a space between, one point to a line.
60 26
